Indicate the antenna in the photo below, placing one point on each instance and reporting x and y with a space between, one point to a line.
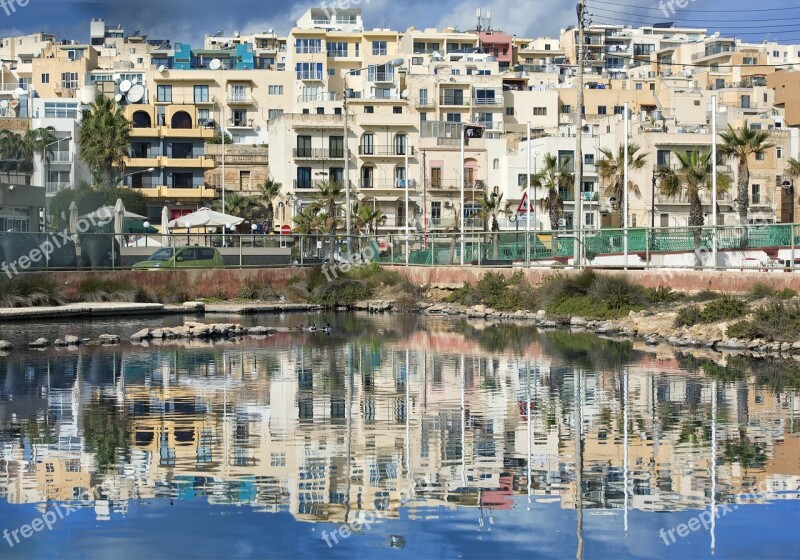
488 20
478 15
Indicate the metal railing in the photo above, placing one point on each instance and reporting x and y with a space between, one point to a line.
54 187
317 153
385 150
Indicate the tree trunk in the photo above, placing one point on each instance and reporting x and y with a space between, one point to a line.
496 246
743 198
555 216
696 221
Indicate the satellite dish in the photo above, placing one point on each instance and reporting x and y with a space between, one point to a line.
404 94
125 86
4 104
161 69
687 72
716 34
136 94
118 98
14 104
135 80
19 92
215 64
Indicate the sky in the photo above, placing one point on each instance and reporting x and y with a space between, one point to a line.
190 20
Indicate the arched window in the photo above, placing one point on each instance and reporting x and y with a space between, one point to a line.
181 119
367 146
141 119
400 177
400 144
496 163
367 175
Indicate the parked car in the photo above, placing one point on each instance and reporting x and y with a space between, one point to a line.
182 257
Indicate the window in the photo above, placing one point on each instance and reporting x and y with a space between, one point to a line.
745 102
379 48
495 163
182 150
436 212
203 117
367 173
423 96
540 111
45 78
588 159
60 110
164 94
320 110
400 177
69 80
275 90
416 61
383 93
239 117
309 70
336 146
453 117
182 181
588 219
638 86
601 110
755 196
436 177
244 180
308 46
336 175
201 94
566 109
274 113
619 109
358 48
778 152
337 49
662 157
303 177
400 144
369 109
397 110
509 111
453 97
760 156
303 146
368 144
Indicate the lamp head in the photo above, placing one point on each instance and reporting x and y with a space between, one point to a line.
395 62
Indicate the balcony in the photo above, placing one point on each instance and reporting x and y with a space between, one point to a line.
381 77
241 123
310 75
487 101
61 157
725 198
317 153
197 162
53 188
241 99
424 103
178 193
454 101
374 184
385 150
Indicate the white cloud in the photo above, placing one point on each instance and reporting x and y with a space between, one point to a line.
528 19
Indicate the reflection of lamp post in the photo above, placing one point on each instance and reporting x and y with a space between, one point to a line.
394 63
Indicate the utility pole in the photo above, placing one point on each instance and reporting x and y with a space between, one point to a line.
578 217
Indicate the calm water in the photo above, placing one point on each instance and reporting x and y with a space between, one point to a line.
393 437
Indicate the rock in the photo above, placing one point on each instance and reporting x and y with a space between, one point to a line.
59 343
755 343
39 343
549 324
796 345
195 305
141 335
258 331
785 347
479 308
541 314
5 345
108 339
157 333
650 341
72 340
731 344
577 322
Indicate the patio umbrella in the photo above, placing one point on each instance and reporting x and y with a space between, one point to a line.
73 218
165 227
119 217
205 217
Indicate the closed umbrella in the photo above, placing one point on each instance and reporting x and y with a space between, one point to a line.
73 219
119 219
165 227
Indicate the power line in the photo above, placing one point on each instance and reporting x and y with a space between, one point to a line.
682 19
706 11
791 28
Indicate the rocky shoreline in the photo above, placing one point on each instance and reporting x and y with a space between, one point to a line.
653 328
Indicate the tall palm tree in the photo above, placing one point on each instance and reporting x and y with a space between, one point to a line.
329 195
554 179
366 221
269 191
18 151
236 205
611 169
739 144
692 179
491 208
306 223
104 139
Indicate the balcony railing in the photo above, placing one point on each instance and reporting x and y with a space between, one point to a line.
487 101
384 150
317 153
53 188
423 102
241 123
60 157
309 75
241 99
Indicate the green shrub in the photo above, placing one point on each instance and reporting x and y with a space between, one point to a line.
778 321
662 295
498 292
617 292
688 316
30 290
342 291
99 289
723 308
760 291
257 291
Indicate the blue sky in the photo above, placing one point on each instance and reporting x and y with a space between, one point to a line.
189 20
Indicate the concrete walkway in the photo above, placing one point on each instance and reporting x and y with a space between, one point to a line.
79 310
254 308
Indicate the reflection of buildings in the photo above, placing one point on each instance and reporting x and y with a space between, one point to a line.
329 430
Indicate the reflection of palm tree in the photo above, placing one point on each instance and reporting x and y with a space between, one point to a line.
693 178
107 429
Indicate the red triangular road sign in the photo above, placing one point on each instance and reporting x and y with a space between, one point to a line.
524 207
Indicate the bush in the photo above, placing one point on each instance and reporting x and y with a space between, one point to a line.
498 292
778 321
30 291
342 291
761 291
662 295
617 292
100 289
724 308
257 291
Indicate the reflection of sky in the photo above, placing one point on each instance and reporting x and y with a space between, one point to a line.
190 529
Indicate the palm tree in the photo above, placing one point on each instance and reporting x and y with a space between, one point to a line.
739 144
269 191
693 178
306 223
104 139
491 208
611 169
236 205
328 196
18 151
555 180
366 221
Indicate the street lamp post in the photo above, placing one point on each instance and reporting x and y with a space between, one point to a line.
394 63
45 169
